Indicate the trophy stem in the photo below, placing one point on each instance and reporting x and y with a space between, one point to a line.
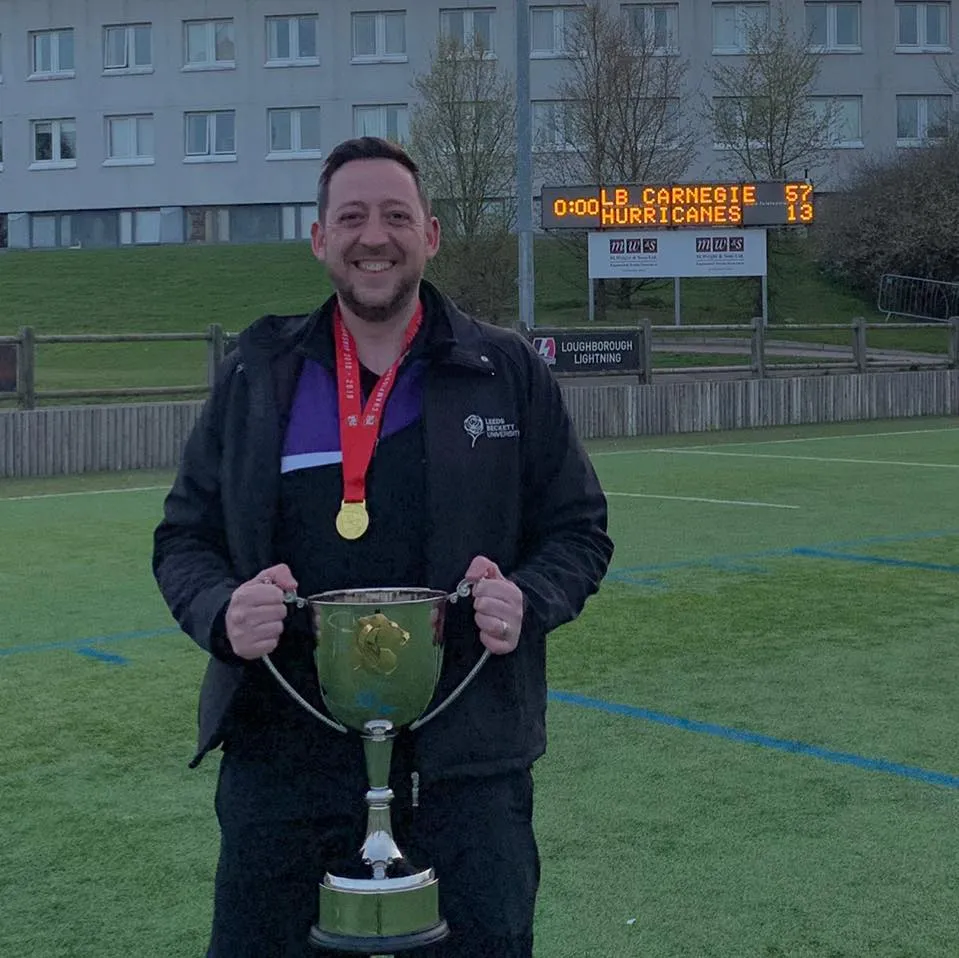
379 848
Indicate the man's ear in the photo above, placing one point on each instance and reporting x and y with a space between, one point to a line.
318 241
432 237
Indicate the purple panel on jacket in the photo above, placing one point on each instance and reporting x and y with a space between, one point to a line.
313 433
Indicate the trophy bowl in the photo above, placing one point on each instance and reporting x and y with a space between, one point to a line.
379 653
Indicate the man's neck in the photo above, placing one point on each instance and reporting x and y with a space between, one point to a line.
380 344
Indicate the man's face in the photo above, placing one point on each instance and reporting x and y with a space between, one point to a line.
375 238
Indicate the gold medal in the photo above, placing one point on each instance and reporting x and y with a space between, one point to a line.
352 520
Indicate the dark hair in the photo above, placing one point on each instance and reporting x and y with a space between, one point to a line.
365 148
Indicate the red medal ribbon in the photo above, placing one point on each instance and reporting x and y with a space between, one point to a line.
360 426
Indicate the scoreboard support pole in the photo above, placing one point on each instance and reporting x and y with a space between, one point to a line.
677 301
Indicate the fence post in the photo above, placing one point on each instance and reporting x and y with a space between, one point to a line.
953 342
859 344
27 369
645 352
759 347
214 351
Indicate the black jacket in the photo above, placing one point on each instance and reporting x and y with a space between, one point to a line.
522 493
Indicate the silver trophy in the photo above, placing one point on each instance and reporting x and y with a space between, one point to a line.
379 653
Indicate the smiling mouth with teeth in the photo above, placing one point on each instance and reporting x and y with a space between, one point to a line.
374 267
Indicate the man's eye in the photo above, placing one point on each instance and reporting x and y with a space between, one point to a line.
348 218
398 217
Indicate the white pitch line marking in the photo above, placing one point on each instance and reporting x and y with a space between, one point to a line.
775 442
768 455
715 502
84 492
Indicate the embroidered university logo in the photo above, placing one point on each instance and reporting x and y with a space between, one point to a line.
493 427
474 427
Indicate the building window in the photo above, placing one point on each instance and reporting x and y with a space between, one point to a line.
51 54
473 30
129 140
294 133
379 37
656 25
140 227
551 133
921 27
211 137
737 25
209 45
54 144
128 48
834 27
921 118
739 121
292 40
207 224
390 121
845 114
553 30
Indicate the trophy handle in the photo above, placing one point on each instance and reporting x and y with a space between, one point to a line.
454 695
291 598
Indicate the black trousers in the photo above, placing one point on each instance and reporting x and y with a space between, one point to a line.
476 833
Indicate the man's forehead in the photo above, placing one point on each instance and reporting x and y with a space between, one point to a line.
372 182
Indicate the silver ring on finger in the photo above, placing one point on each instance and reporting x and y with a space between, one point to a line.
503 628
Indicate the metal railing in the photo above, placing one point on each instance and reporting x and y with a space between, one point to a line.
917 298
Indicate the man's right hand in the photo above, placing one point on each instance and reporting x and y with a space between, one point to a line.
254 617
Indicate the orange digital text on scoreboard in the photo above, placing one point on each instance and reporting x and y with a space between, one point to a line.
680 205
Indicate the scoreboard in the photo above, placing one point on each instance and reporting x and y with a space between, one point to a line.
677 205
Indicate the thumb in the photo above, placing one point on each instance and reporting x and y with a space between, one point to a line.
280 576
482 568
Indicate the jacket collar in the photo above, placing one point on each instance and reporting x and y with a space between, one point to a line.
448 334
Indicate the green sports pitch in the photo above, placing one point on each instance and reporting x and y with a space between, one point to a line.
753 726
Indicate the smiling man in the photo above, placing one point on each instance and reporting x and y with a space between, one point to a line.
385 440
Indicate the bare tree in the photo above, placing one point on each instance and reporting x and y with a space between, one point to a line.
462 133
762 111
617 117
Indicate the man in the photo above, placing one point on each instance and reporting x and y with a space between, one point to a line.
468 467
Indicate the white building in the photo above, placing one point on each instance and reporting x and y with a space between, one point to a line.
141 121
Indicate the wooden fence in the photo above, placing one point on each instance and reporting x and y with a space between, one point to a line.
58 441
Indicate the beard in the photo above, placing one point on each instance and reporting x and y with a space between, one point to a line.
405 292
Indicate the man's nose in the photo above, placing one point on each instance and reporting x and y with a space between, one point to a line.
374 232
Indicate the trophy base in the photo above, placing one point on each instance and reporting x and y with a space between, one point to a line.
369 916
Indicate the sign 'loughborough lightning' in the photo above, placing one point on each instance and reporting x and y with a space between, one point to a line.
688 205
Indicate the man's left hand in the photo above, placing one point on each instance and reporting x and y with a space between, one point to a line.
498 606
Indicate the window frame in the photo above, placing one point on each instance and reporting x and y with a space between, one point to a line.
827 100
832 7
296 151
739 8
211 155
922 118
922 44
384 127
295 59
379 38
559 50
56 161
648 11
55 72
137 158
469 28
554 146
129 46
210 45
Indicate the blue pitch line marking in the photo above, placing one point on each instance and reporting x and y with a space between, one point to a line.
747 561
109 657
79 645
876 560
764 741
